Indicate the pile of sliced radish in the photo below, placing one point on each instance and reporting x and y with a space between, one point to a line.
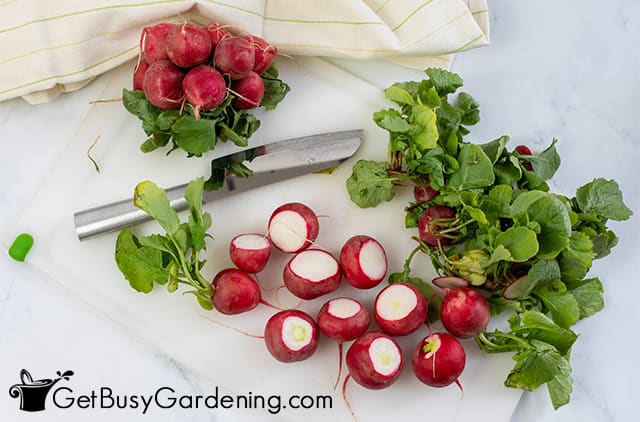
374 359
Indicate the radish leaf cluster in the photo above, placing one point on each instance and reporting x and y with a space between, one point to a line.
171 258
485 215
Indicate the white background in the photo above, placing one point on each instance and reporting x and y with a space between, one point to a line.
554 69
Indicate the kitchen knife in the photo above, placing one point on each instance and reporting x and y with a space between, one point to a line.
270 163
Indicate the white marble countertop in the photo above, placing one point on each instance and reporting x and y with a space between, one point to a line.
555 69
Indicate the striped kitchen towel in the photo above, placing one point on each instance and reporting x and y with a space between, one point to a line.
54 46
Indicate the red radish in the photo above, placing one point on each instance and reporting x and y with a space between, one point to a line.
162 85
342 319
423 193
234 56
312 273
464 312
291 336
524 150
138 74
293 227
204 88
400 309
374 361
264 53
450 282
154 42
249 91
438 360
217 32
432 221
516 288
234 292
363 261
250 252
188 45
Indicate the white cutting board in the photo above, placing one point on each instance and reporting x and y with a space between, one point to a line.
322 98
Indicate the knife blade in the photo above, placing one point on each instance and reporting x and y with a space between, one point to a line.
270 163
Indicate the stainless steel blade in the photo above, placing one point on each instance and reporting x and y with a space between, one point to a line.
274 163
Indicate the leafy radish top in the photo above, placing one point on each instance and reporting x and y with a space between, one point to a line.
485 214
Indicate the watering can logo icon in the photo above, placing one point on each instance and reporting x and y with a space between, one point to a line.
33 394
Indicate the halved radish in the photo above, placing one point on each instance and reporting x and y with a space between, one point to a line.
517 288
291 336
293 227
400 309
250 252
363 261
374 360
450 282
342 319
438 360
312 273
464 312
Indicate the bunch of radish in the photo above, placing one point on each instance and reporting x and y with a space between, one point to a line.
374 359
200 65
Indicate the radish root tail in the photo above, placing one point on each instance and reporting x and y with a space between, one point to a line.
339 366
344 397
228 326
457 381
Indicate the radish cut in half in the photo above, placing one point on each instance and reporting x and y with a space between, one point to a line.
250 252
293 227
374 360
291 336
450 282
343 319
517 288
363 261
312 273
400 309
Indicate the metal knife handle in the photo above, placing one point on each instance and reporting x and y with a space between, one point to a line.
119 215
